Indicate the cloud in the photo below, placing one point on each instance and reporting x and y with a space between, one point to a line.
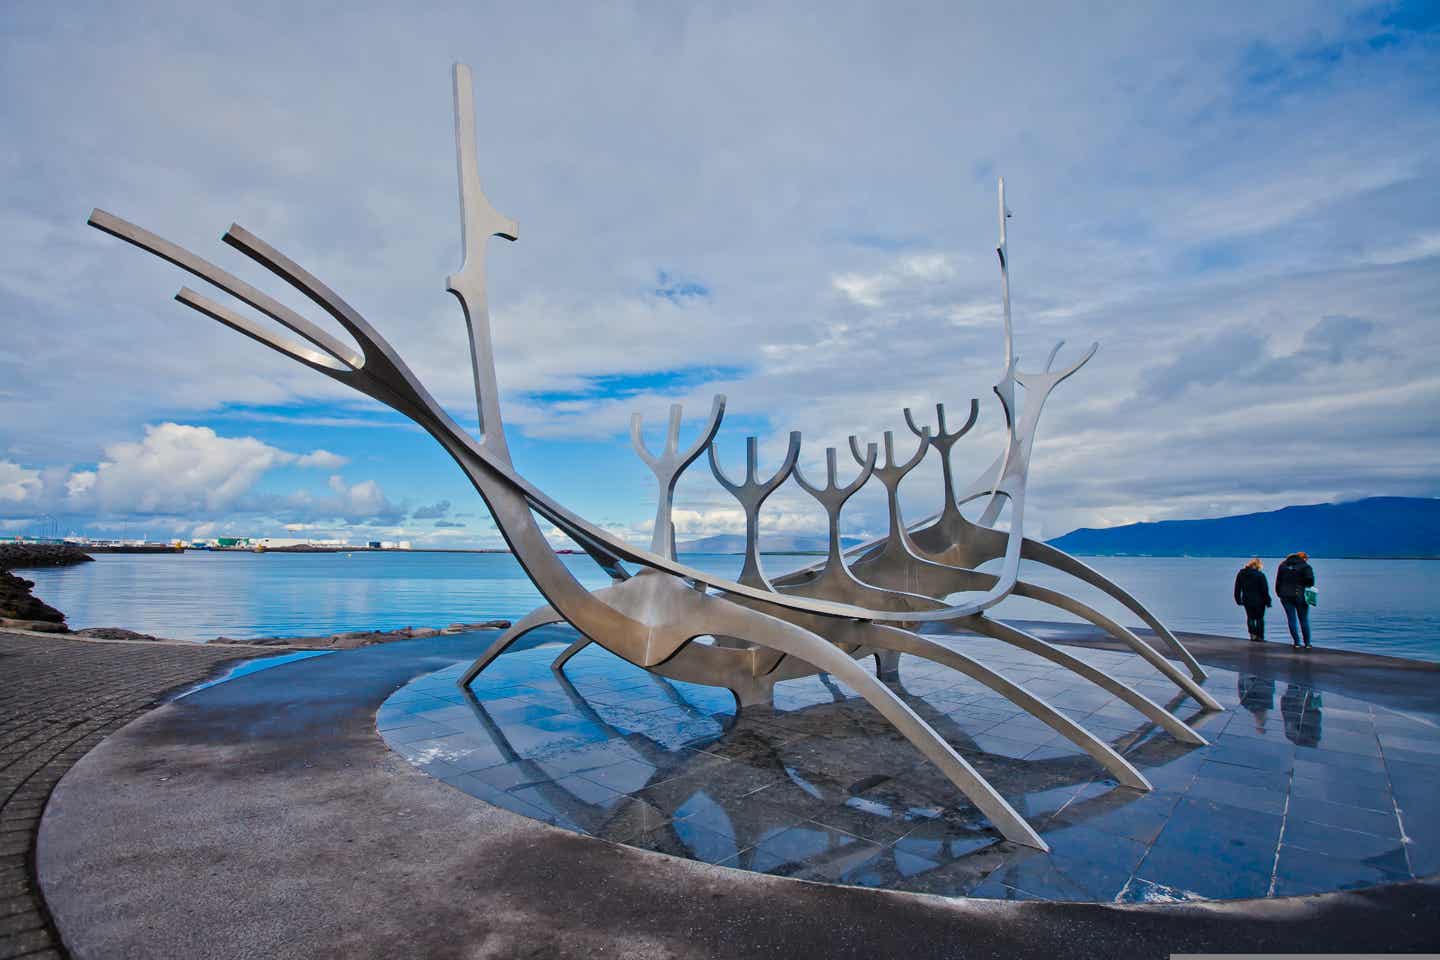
433 511
1205 362
1244 355
1199 193
321 459
181 471
176 469
363 500
18 484
904 275
1422 246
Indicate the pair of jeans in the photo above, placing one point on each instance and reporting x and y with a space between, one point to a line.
1255 621
1297 610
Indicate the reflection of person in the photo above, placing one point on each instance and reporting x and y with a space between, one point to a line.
1257 694
1300 706
1294 575
1252 591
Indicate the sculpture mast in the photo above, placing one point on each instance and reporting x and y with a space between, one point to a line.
479 221
1004 251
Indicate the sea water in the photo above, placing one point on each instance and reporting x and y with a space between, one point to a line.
1380 606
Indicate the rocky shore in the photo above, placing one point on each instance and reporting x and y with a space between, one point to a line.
365 638
15 555
18 606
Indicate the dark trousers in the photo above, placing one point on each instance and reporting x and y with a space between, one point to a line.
1255 621
1297 610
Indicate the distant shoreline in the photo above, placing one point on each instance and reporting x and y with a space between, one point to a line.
728 553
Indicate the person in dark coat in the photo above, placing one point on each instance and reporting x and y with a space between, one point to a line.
1294 575
1252 591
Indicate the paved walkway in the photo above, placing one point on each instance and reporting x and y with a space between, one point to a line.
59 697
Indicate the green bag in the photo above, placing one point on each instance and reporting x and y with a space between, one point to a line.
1312 596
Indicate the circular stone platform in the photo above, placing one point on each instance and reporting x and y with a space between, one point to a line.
1300 790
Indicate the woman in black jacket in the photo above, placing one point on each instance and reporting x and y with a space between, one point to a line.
1252 591
1294 575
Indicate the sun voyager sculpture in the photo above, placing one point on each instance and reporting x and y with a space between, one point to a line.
747 634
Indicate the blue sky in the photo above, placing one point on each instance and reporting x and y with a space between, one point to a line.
791 205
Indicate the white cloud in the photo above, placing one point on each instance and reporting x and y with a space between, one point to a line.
180 469
906 274
322 459
17 483
1422 246
364 499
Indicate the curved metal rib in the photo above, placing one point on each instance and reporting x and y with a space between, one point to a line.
1019 638
710 615
233 285
1059 600
903 641
901 568
1060 560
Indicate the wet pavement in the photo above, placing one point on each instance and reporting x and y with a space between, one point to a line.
1300 790
265 817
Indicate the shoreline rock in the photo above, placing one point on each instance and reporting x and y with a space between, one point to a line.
19 607
14 555
364 638
112 633
18 603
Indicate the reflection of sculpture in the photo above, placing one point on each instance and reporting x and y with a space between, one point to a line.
1300 706
747 635
661 792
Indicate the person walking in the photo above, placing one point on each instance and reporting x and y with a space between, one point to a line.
1252 591
1291 581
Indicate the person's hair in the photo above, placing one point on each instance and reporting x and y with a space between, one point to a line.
1298 555
1255 564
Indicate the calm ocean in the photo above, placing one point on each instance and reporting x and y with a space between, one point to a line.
1381 606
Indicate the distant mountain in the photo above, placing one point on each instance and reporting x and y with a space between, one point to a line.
1375 527
769 543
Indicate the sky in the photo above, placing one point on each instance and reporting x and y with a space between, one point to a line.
793 205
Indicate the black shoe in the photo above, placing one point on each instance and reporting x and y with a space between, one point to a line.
1307 646
1297 646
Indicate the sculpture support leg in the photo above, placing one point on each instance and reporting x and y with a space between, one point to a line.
901 640
579 643
887 664
758 692
1019 638
539 617
1060 560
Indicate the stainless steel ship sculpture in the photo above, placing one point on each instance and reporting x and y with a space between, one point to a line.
744 635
